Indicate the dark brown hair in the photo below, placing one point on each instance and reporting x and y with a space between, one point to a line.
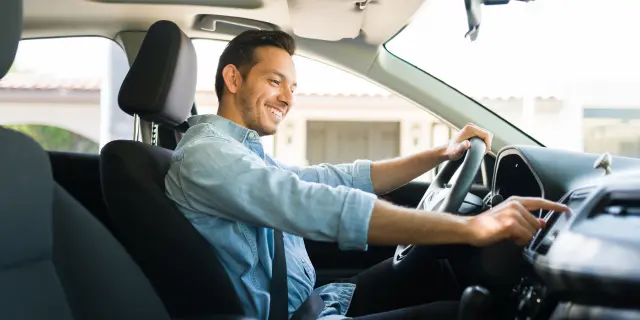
240 52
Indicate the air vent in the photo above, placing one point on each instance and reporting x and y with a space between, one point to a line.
619 203
577 198
620 207
580 194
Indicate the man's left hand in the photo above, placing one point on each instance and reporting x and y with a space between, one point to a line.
460 142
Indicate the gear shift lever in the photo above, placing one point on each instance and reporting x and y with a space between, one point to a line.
475 304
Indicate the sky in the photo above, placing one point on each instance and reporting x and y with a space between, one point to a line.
535 45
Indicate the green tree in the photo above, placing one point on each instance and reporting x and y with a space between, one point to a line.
13 68
57 139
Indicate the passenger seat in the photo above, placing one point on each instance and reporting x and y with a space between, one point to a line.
57 262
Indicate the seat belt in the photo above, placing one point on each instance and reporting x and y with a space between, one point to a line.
279 305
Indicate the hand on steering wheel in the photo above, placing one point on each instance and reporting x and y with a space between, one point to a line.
441 197
510 220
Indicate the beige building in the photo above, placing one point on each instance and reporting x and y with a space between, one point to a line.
336 127
337 116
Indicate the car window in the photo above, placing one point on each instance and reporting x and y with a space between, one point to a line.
63 93
564 71
337 117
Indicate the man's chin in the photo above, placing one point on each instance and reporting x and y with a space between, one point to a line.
268 130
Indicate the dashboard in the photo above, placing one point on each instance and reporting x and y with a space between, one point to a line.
586 263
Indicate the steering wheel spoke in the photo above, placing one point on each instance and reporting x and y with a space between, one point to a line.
440 197
433 199
402 251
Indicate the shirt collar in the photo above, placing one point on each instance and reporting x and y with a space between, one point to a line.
227 126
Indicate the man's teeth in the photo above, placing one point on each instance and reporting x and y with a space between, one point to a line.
275 111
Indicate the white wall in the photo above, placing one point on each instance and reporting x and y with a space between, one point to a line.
81 118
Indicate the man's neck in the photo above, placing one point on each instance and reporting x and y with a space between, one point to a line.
230 112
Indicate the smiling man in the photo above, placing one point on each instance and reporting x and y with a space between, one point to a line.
238 197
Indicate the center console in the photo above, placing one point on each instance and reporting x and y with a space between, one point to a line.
586 263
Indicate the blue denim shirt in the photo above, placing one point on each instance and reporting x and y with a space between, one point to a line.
234 194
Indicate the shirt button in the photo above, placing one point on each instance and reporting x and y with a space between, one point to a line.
252 135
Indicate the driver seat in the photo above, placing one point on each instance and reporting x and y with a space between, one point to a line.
180 263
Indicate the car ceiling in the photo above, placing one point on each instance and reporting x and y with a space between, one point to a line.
328 20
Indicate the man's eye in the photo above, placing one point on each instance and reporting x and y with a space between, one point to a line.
276 82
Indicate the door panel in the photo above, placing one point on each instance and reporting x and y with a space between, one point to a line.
332 264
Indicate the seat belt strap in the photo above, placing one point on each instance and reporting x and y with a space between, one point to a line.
310 308
279 305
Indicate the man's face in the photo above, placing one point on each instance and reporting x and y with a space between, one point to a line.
265 94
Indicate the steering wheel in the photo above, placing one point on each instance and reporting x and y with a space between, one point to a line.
440 197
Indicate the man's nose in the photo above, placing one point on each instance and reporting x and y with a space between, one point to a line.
286 97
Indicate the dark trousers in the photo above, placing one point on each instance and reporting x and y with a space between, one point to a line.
425 292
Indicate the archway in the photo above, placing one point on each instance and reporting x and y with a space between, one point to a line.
54 138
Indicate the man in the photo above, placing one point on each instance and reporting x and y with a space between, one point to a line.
235 195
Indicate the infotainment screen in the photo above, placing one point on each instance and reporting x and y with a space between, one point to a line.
556 221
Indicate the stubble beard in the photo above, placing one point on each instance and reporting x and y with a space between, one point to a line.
249 112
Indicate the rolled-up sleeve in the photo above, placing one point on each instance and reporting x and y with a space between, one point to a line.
353 175
225 176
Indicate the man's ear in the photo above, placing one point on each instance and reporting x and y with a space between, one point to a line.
232 78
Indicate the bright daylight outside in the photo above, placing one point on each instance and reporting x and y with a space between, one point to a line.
564 71
558 69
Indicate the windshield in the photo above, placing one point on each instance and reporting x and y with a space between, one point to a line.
567 72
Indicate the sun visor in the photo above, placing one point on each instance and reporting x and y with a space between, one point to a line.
329 20
239 4
333 20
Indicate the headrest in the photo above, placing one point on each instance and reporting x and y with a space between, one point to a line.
10 32
26 189
161 84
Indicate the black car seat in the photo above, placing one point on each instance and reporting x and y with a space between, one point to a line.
56 260
181 264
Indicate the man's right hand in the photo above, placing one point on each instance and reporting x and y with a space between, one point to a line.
510 220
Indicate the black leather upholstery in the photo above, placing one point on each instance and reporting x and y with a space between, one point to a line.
180 263
56 260
10 32
161 84
177 259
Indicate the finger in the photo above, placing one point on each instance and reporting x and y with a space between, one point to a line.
475 131
488 141
543 223
527 216
522 221
540 203
471 130
520 235
464 145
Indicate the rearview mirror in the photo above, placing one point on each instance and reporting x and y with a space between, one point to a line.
474 14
